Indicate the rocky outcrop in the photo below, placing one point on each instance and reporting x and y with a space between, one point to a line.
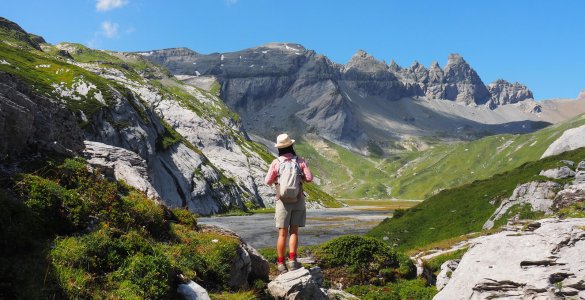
247 265
446 272
539 195
297 284
120 164
558 173
570 139
503 92
546 263
569 195
461 82
33 124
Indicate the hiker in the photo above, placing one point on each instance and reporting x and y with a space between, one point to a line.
288 172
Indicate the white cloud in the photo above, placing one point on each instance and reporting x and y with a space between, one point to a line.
109 29
105 5
231 2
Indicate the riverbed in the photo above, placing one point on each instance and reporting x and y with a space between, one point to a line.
322 224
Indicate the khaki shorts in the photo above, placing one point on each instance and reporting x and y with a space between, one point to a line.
287 214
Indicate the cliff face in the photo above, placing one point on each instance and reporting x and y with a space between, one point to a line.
285 87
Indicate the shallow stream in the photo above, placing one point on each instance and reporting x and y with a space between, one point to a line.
322 224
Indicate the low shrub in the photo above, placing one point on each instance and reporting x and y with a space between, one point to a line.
185 217
371 260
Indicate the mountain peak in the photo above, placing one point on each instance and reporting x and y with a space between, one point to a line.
361 54
455 58
417 66
435 65
14 30
291 47
366 63
394 67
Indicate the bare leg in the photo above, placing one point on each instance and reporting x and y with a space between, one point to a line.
281 243
293 242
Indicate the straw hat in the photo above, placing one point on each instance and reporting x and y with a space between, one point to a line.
283 141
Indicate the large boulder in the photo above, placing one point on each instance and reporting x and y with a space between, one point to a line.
547 263
297 284
569 195
571 139
247 264
192 291
558 173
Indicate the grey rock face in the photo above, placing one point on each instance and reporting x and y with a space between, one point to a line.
569 195
558 173
539 195
172 170
120 164
282 87
544 264
192 291
260 267
503 92
581 166
570 139
31 124
241 267
447 269
462 84
579 177
297 284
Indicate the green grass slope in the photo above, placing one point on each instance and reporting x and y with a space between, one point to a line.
464 209
419 175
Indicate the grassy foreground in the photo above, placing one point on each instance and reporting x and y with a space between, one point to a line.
69 233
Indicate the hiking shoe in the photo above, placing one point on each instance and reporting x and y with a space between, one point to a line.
281 268
293 265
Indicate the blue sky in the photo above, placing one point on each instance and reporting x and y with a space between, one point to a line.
539 43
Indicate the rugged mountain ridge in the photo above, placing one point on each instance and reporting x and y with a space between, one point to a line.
279 86
133 122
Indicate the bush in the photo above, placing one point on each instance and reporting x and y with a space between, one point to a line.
185 217
59 209
366 257
355 251
150 273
